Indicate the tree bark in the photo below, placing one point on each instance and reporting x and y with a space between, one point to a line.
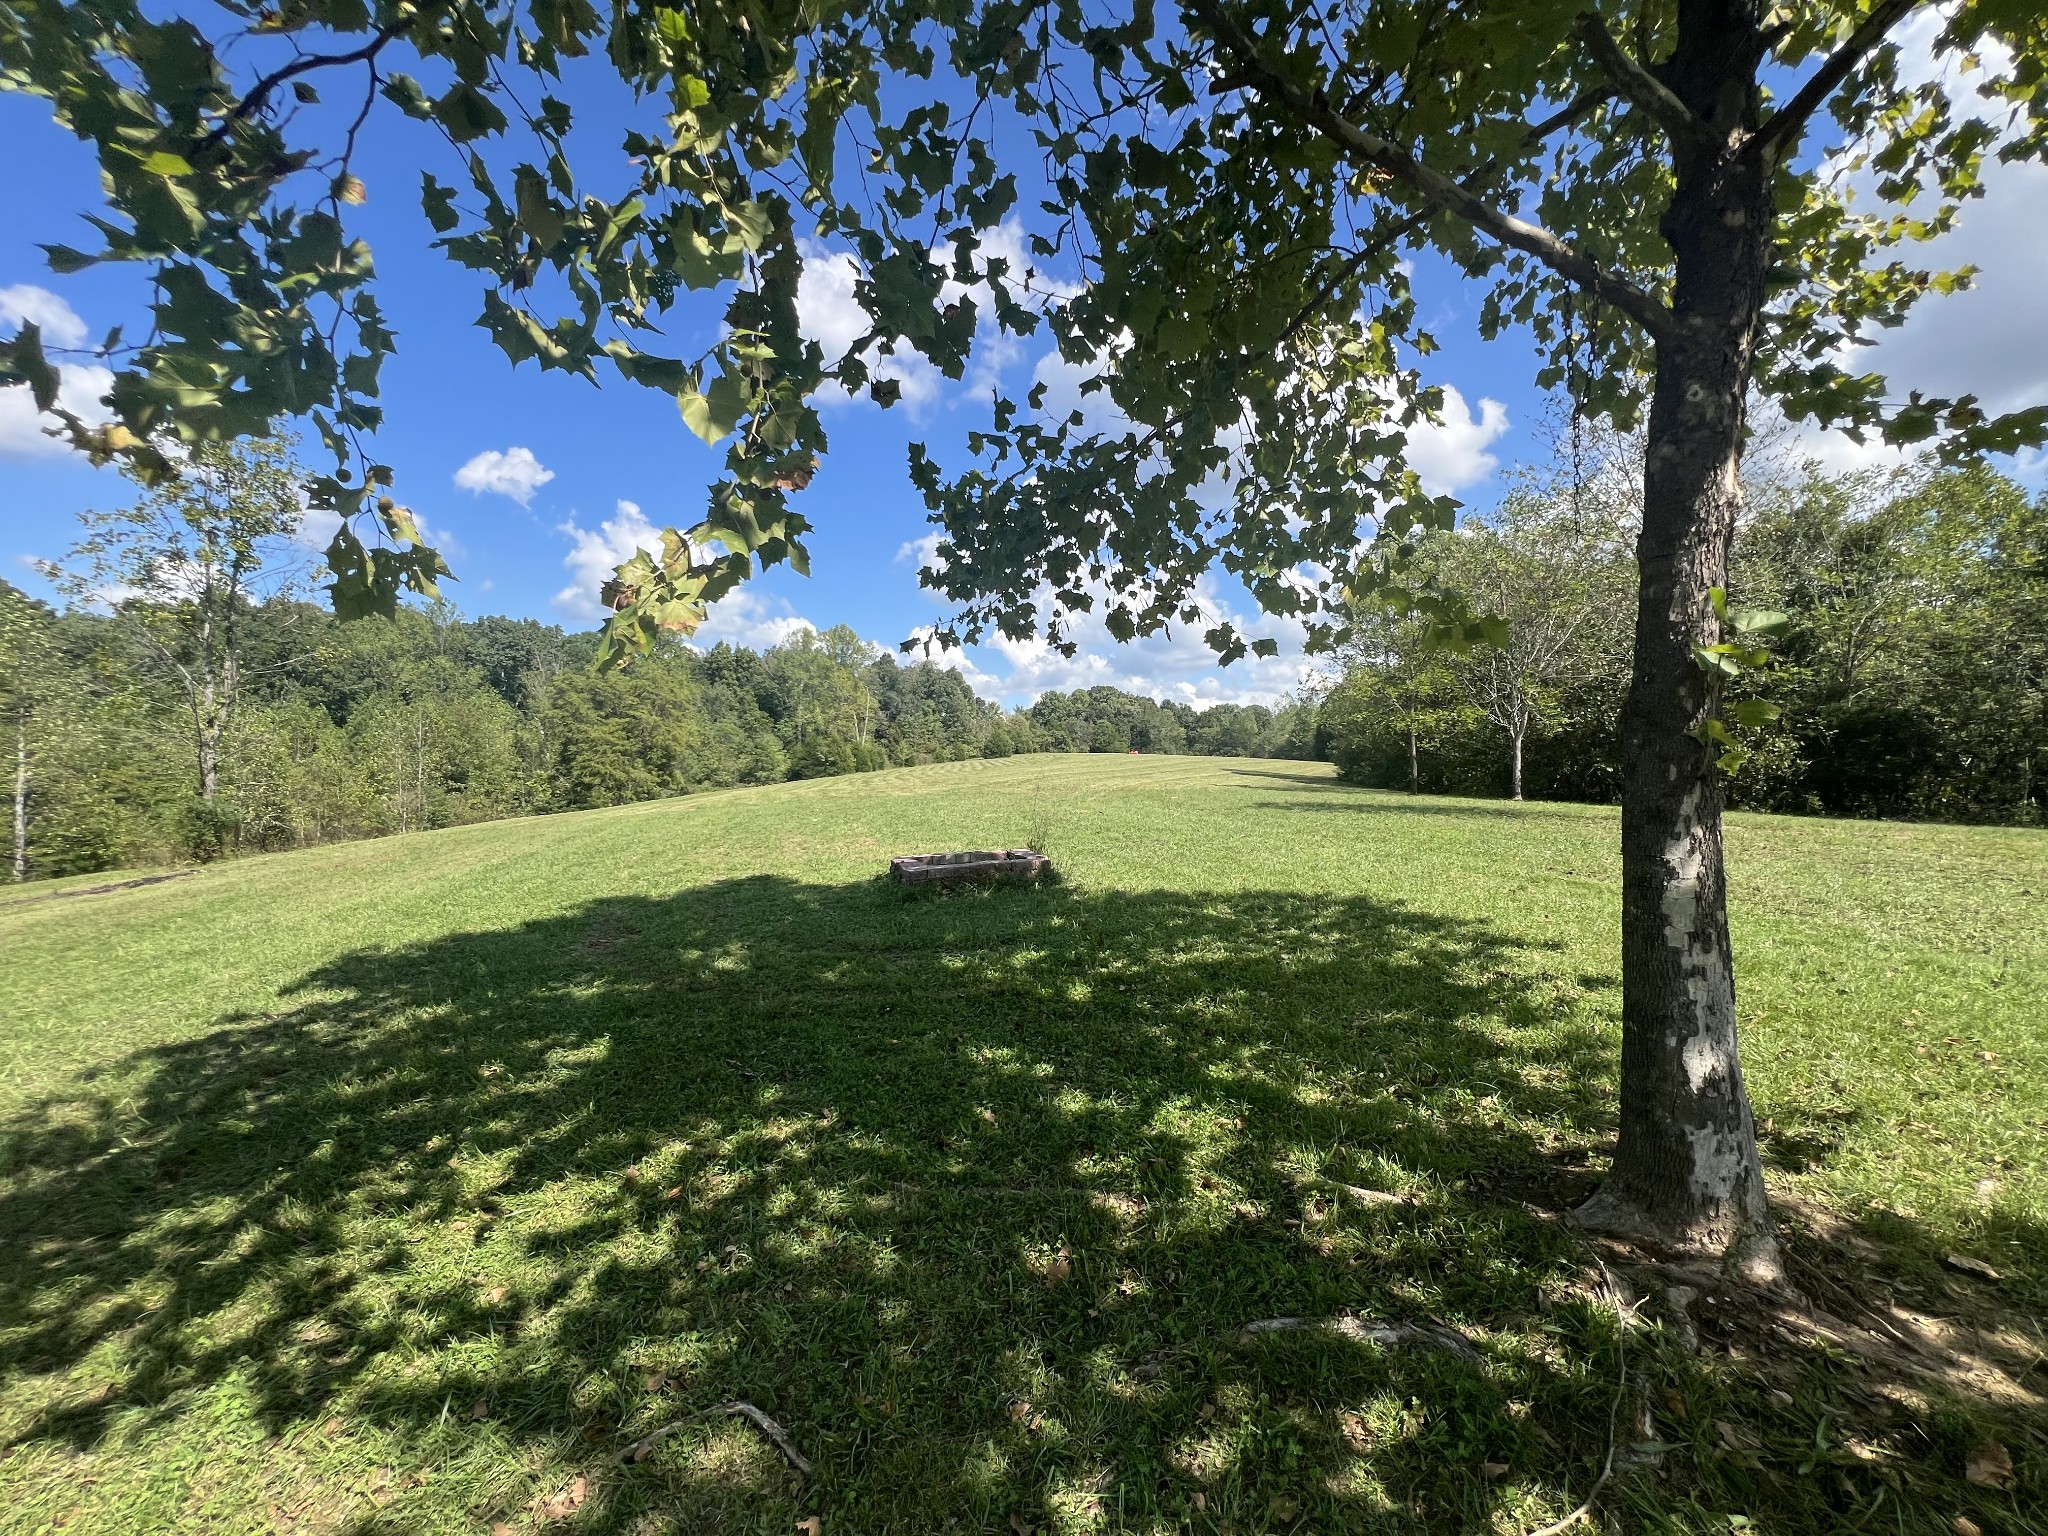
1686 1171
20 797
1515 773
1414 766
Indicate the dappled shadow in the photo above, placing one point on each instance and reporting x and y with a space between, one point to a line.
969 1191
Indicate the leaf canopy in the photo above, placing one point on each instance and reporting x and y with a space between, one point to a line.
1235 188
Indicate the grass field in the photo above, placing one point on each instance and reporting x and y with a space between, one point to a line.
397 1187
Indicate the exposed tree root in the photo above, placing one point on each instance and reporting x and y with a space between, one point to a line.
640 1449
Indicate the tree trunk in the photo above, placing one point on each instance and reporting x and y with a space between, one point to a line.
1686 1171
209 762
1414 767
1515 773
21 797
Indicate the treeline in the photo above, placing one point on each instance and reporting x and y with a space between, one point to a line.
360 729
1910 669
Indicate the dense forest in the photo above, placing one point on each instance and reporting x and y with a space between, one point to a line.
189 702
1905 616
358 729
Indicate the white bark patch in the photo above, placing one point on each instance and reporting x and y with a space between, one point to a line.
1716 1164
1705 1055
1686 858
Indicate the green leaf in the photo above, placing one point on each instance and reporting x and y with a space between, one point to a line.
438 203
467 113
712 414
63 259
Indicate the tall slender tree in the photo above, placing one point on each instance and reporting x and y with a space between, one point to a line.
182 567
1234 185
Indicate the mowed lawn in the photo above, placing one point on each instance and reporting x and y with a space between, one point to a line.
398 1187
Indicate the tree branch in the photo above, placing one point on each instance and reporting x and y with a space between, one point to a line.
1687 130
259 93
1564 117
1781 134
1313 109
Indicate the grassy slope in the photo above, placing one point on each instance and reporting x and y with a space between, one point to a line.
396 1185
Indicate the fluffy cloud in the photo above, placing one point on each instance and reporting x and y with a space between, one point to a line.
1177 666
1450 453
81 388
754 620
1988 339
515 473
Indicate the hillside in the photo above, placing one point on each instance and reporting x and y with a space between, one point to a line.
398 1185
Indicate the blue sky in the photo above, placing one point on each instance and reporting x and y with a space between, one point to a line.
535 484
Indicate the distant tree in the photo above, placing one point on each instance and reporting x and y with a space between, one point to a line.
1560 581
1397 685
182 567
29 677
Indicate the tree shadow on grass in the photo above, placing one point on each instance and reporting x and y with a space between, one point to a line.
969 1193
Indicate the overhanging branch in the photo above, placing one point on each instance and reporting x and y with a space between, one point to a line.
1313 109
1781 134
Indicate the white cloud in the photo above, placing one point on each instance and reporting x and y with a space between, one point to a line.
1990 340
81 387
1450 453
596 553
1177 666
26 304
750 619
830 315
515 473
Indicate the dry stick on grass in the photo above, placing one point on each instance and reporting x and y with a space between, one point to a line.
640 1449
1613 1412
1413 1335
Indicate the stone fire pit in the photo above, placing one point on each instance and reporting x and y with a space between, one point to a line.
1018 866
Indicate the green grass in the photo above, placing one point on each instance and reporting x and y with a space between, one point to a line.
395 1186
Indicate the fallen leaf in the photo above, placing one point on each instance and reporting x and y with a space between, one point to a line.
1989 1466
1020 1525
810 1525
633 1175
1735 1439
503 1528
673 1194
496 1294
480 1409
1057 1272
1201 1499
1970 1266
1965 1526
656 1380
1285 1508
990 1116
564 1502
1493 1470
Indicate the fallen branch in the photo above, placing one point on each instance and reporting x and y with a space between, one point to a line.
1408 1335
640 1449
